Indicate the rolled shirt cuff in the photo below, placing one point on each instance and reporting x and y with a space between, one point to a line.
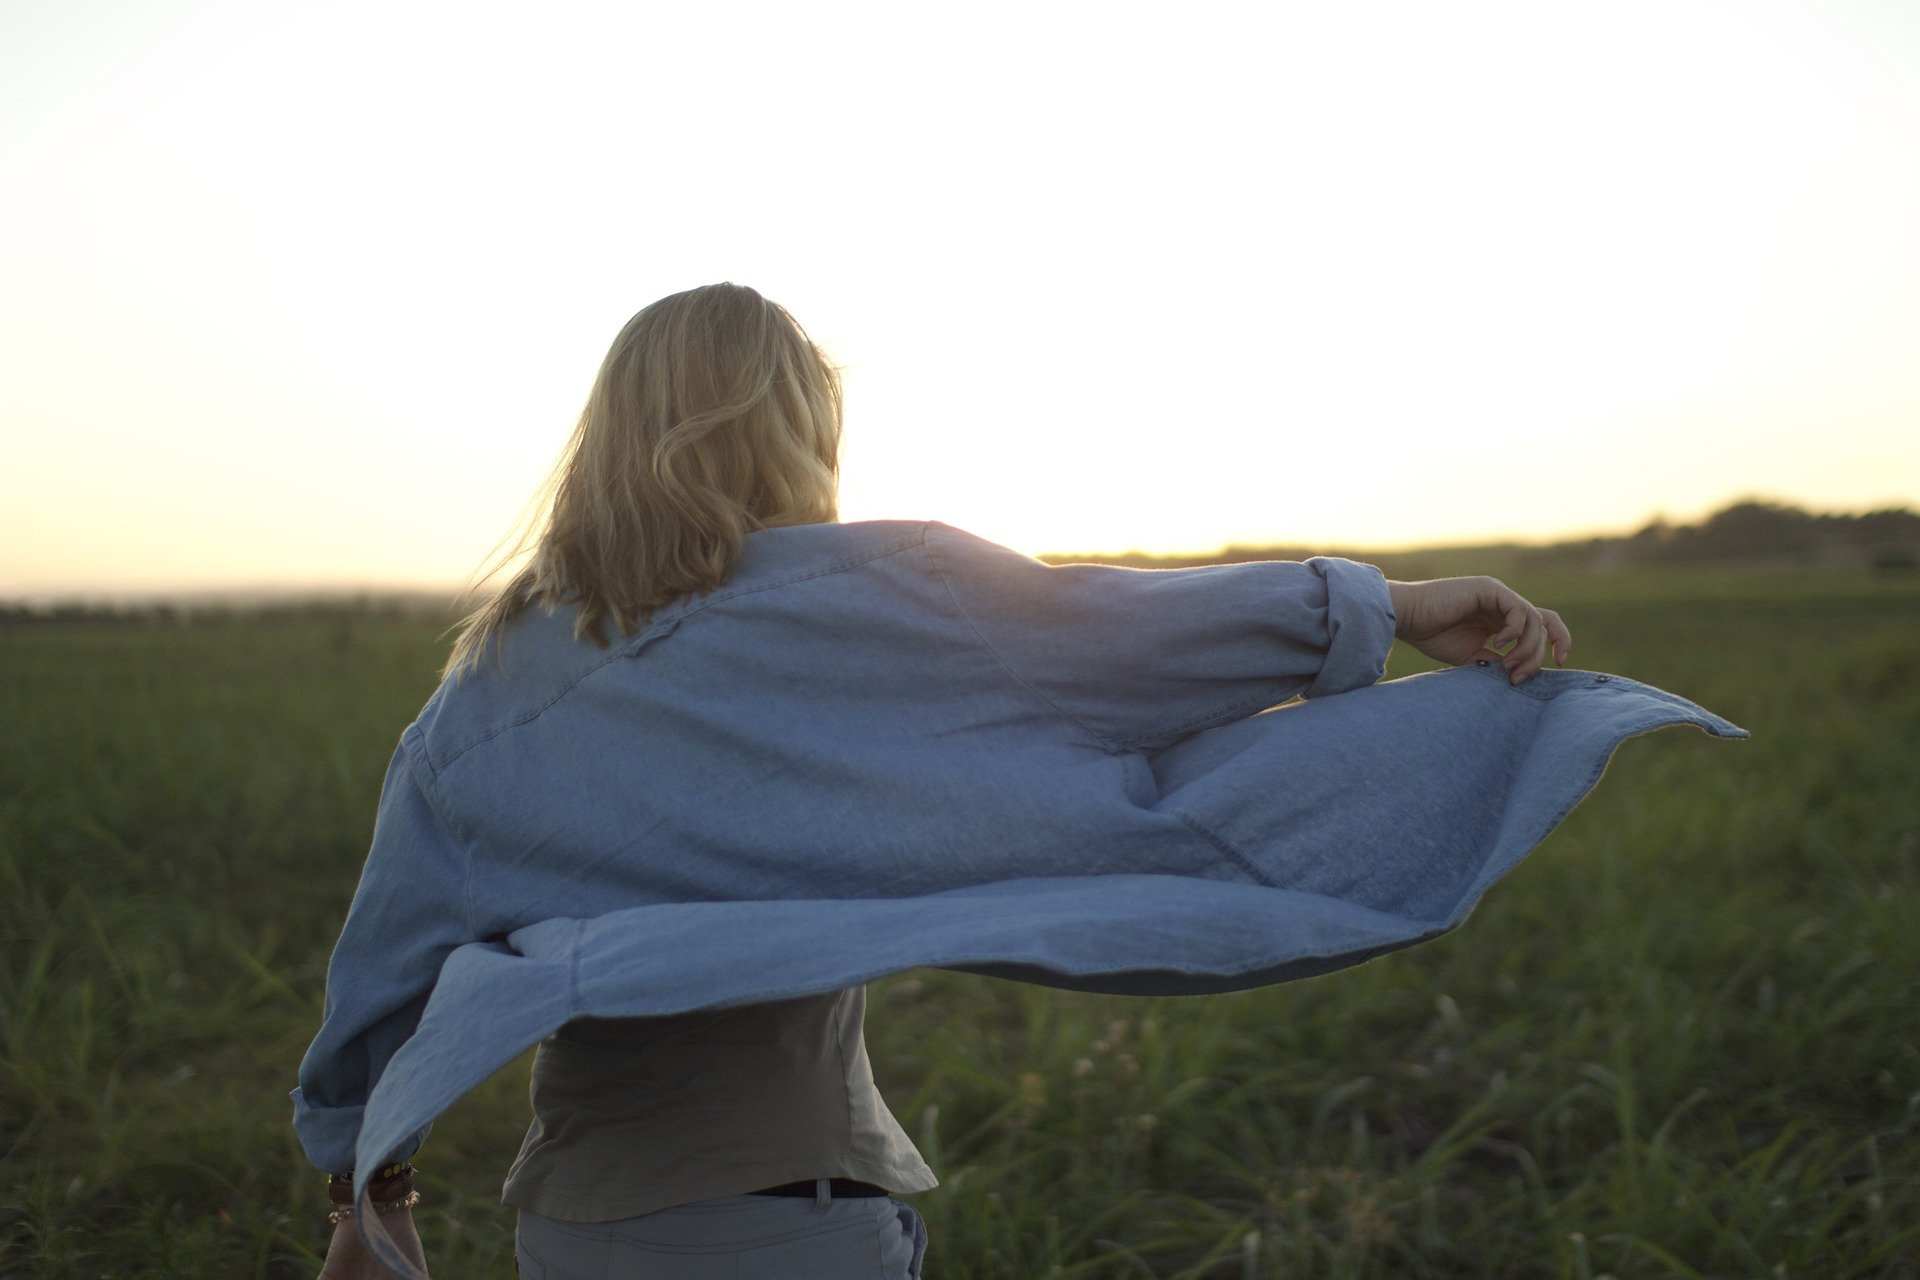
330 1134
1360 626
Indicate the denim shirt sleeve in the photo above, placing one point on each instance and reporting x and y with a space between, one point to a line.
408 914
1143 657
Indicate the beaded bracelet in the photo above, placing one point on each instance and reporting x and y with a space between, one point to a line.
389 1190
381 1207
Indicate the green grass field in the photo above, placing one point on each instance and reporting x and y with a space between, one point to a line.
1679 1041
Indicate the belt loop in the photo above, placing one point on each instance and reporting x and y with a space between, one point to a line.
822 1194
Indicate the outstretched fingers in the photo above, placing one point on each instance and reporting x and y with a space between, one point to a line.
1530 650
1516 616
1541 632
1558 637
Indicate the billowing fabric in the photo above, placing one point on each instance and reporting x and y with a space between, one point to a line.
890 745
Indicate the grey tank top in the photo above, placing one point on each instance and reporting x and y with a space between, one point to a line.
634 1115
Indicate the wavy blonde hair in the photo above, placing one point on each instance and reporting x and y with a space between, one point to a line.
712 416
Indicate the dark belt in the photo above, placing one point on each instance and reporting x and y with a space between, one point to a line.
841 1188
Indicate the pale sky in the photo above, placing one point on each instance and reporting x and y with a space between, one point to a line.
311 293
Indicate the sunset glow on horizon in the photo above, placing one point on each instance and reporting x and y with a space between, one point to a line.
309 295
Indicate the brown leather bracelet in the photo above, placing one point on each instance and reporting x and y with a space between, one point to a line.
390 1183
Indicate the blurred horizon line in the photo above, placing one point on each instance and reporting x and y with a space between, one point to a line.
1753 532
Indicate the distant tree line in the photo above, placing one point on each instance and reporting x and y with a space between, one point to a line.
1769 531
1749 534
214 609
1759 535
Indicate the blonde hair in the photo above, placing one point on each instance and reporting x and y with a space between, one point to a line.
712 416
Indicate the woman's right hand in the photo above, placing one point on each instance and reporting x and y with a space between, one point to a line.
347 1256
1459 620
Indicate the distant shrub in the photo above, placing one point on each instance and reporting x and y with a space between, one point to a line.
1895 560
1751 532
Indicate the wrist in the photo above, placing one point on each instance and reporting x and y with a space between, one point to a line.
1399 600
389 1191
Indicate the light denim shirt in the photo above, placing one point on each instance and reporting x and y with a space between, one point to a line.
888 745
